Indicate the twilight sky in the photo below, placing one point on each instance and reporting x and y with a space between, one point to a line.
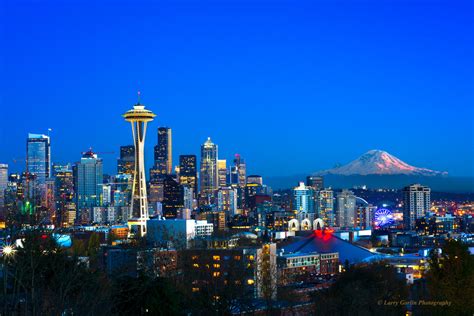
293 86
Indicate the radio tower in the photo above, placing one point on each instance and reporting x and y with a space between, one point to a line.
139 117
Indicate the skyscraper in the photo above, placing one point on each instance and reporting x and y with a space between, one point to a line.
173 197
126 162
416 201
163 151
302 199
188 172
325 206
222 173
64 193
3 187
38 159
209 175
227 201
315 181
88 177
241 168
139 117
346 209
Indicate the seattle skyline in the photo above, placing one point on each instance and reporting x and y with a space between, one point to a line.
282 83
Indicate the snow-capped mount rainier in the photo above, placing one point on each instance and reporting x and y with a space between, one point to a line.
379 162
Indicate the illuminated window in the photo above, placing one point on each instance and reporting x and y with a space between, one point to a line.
216 258
216 265
250 282
216 274
194 257
251 257
237 258
195 289
196 265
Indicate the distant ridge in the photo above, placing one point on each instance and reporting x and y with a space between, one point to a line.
379 162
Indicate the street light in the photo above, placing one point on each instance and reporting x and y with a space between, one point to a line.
8 250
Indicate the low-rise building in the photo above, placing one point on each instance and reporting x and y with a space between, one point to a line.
176 231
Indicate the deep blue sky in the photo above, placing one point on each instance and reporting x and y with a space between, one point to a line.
293 86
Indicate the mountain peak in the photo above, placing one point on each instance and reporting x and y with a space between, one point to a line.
380 162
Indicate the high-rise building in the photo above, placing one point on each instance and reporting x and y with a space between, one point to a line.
253 186
255 179
156 191
139 118
3 187
163 151
303 201
316 182
222 173
88 180
38 163
126 162
241 169
325 206
188 172
346 209
209 175
188 199
416 201
49 203
227 201
64 193
173 197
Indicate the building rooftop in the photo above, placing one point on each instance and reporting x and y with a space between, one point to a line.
327 243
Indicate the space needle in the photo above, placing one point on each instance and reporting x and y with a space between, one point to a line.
139 117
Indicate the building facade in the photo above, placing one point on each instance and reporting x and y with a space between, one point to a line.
416 202
3 187
316 182
38 163
222 173
164 151
126 162
325 206
345 209
188 172
88 180
209 174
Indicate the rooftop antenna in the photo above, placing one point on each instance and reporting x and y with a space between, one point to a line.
138 96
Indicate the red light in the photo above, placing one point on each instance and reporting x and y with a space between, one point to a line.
44 236
318 233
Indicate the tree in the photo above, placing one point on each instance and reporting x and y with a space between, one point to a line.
145 295
364 290
450 278
46 281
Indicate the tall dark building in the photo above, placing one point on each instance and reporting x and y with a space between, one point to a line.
240 171
63 191
188 172
163 151
126 162
316 182
173 198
